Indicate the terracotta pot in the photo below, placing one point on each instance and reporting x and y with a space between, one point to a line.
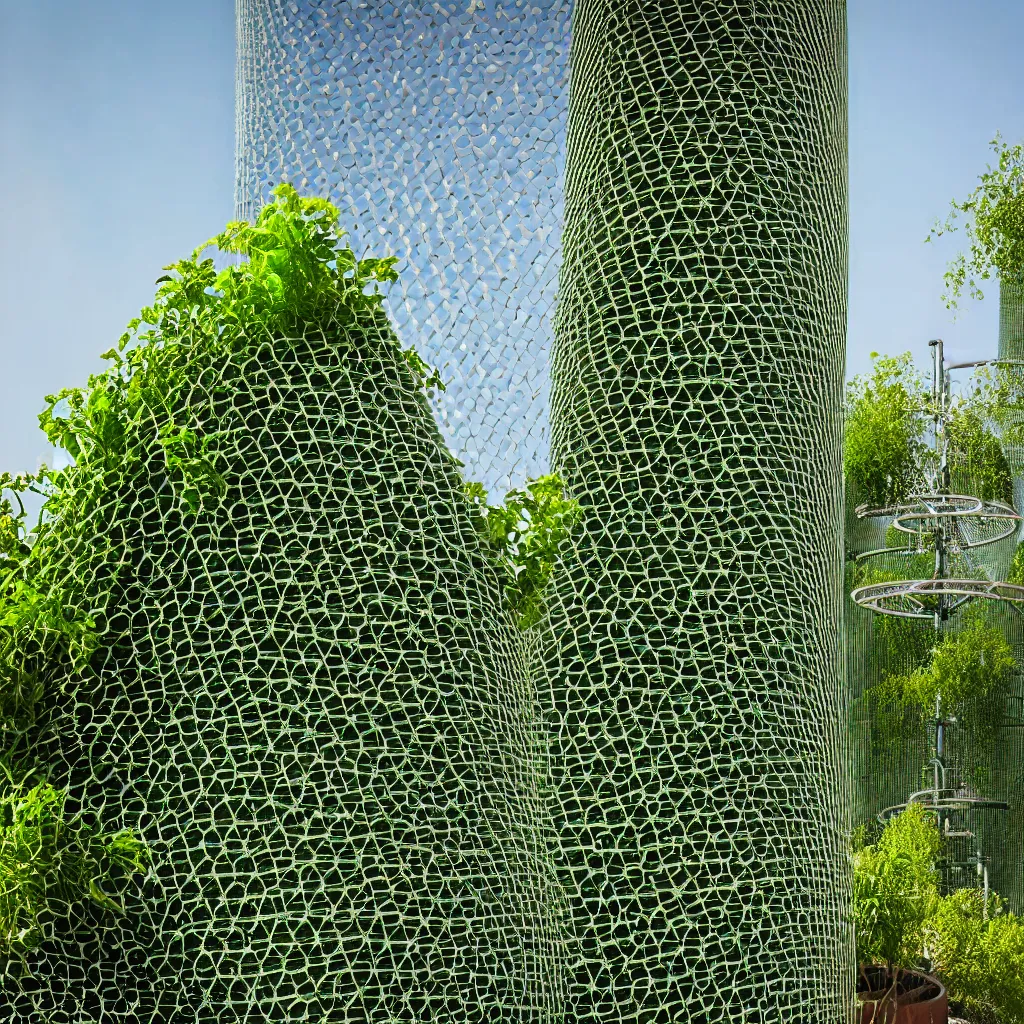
918 998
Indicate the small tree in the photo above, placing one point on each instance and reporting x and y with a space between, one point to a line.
884 451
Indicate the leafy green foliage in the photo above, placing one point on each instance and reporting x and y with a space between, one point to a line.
190 462
967 673
1016 573
976 456
993 219
526 534
884 453
965 668
979 955
895 890
50 861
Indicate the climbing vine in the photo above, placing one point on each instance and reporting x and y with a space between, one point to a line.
526 534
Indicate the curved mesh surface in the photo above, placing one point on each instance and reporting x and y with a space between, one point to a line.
693 663
438 130
312 706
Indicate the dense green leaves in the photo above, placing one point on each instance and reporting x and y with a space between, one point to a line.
895 890
993 219
526 534
979 953
884 451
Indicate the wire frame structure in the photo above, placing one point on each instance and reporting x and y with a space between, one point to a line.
692 667
370 797
438 129
960 537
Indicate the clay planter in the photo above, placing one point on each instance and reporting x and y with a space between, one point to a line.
917 999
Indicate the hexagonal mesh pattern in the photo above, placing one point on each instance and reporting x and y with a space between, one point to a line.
693 666
438 130
369 798
310 703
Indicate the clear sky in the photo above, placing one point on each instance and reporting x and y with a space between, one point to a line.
117 156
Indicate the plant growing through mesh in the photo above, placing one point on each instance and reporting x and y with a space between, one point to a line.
884 453
51 861
526 533
55 591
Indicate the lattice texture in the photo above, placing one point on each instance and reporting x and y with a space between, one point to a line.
693 661
314 708
438 130
1011 318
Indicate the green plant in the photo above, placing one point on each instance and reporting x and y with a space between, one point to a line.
50 861
884 454
526 534
993 218
1016 572
966 674
979 954
895 890
976 455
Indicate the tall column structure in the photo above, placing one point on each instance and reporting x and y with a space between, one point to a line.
438 130
693 664
1007 869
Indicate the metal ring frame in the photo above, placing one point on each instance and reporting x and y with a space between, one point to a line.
925 508
909 598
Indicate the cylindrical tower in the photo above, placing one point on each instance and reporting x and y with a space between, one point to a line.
693 659
438 130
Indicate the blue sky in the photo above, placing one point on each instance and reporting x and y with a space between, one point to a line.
117 156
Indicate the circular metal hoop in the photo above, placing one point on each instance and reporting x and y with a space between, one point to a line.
915 515
909 599
945 803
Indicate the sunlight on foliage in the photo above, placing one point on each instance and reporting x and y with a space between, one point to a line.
993 221
884 453
895 890
979 955
526 533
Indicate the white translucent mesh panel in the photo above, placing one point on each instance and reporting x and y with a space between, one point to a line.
438 129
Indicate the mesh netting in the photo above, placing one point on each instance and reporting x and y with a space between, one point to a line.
692 662
438 130
307 698
1011 318
368 796
978 778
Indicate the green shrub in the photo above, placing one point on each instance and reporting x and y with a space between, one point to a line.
993 217
967 671
884 451
979 958
895 890
976 460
